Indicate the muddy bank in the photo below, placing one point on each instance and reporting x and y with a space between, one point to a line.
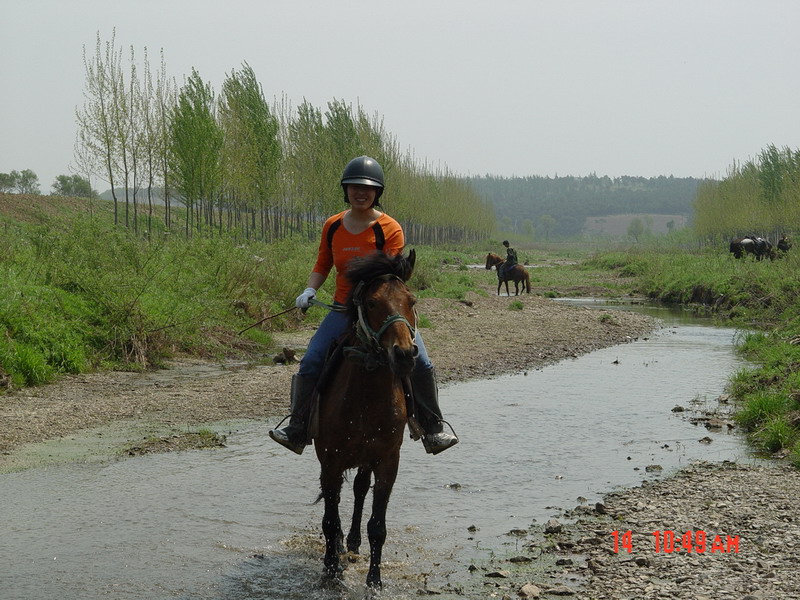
479 337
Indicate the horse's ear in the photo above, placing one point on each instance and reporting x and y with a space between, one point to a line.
409 267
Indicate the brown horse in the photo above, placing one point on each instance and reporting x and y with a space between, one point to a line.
362 408
517 273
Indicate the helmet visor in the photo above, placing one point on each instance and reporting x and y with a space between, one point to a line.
361 181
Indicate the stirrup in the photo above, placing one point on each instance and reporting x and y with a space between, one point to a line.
284 439
434 443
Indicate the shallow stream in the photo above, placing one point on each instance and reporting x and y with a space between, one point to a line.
240 522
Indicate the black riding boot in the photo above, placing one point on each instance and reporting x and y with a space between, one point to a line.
429 415
294 435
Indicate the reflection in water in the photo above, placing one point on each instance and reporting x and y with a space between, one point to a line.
241 522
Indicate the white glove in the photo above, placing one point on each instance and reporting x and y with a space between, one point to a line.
304 299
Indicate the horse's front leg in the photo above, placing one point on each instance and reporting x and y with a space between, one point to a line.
360 490
376 526
331 524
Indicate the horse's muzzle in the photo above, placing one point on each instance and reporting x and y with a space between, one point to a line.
402 359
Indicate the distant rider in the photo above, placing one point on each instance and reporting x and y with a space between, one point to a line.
511 260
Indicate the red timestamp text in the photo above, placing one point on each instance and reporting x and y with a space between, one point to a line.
669 542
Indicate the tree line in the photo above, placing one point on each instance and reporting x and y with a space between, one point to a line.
235 163
27 182
20 182
558 206
760 196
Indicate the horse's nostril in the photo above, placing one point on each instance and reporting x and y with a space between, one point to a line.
402 354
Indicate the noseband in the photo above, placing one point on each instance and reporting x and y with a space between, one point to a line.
368 336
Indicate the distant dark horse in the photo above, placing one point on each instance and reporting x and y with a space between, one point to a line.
758 247
362 408
516 273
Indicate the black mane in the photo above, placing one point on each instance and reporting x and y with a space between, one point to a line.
367 268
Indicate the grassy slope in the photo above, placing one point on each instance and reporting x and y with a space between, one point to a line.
77 293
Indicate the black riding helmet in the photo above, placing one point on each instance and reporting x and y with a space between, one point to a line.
363 171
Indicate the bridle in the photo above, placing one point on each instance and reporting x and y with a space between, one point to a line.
368 336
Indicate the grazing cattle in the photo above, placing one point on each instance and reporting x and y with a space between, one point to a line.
757 246
783 245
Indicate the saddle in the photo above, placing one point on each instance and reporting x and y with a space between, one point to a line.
340 350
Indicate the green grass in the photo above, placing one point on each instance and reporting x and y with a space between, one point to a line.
77 294
775 434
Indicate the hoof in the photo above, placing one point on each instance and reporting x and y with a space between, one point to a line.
333 572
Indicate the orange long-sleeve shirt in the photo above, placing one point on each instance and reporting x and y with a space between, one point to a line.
345 246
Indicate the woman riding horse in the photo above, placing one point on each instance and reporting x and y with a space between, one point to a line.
363 407
359 231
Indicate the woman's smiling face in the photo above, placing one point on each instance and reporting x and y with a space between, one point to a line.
361 197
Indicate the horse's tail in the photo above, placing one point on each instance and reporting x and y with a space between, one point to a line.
527 281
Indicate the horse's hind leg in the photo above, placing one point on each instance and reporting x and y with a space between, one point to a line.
360 490
331 524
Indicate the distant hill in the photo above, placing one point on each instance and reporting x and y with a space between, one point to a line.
31 208
562 206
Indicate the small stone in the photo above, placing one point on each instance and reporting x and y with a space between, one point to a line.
560 590
520 559
553 526
500 574
530 591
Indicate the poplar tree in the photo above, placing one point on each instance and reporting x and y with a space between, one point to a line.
251 150
195 151
96 120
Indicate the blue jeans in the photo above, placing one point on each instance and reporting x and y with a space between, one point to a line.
333 326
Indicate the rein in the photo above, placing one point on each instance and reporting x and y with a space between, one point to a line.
371 352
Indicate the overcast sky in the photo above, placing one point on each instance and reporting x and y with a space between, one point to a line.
556 87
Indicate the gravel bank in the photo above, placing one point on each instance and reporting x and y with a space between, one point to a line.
743 526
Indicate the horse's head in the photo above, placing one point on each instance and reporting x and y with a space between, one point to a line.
383 307
492 260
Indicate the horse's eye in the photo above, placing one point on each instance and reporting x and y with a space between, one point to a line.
371 304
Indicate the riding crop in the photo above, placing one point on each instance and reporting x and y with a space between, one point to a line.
313 301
